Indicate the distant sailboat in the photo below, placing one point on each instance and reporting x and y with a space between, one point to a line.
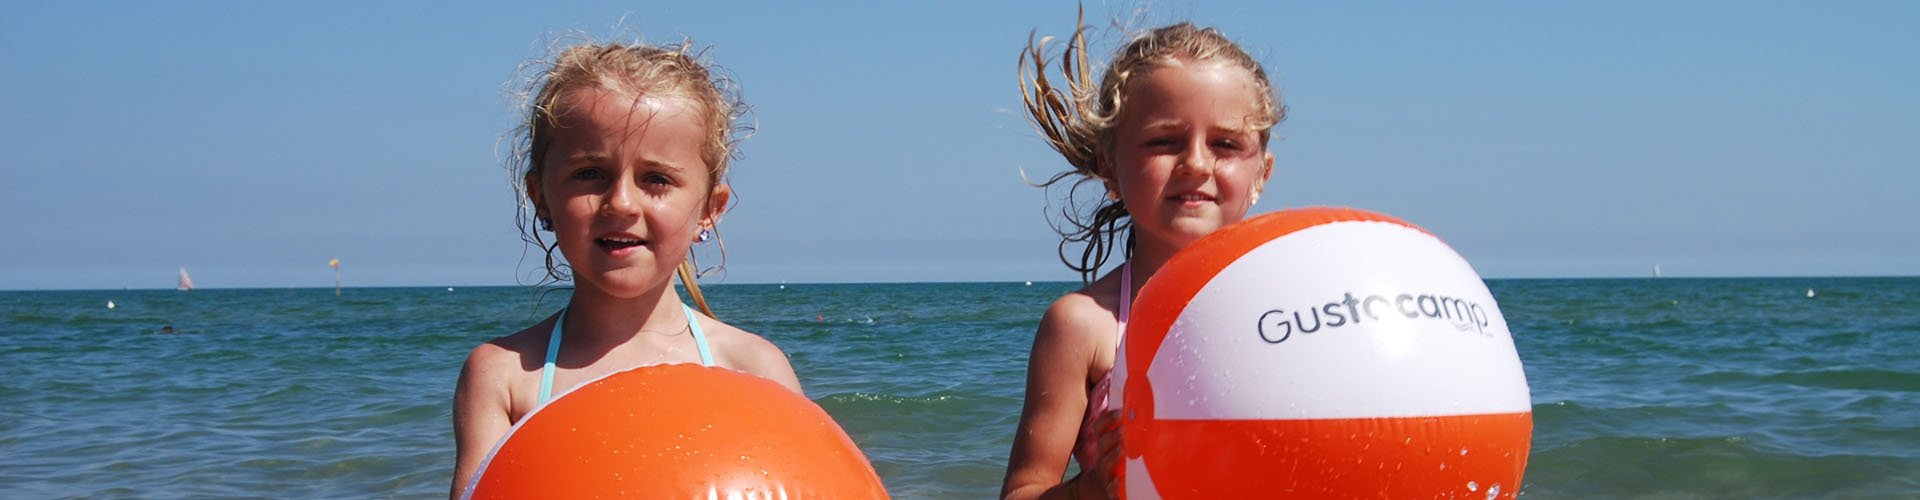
186 282
1656 270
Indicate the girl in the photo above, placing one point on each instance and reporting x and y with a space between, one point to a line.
1176 134
623 158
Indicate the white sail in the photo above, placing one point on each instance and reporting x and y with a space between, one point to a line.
186 282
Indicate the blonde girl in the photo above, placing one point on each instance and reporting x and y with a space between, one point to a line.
622 161
1175 133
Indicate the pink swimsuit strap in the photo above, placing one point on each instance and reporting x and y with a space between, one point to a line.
1087 444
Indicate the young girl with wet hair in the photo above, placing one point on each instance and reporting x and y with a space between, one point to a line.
622 160
1175 133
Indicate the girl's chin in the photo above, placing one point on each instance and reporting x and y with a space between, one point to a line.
1190 230
629 283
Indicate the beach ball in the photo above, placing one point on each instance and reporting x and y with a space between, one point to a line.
677 431
1320 353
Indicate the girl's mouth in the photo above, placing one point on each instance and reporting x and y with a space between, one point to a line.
615 243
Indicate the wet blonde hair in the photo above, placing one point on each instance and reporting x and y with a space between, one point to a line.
634 69
1078 118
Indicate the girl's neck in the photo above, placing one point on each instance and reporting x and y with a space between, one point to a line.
594 316
1148 256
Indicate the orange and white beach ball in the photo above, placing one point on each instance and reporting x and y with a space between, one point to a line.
1321 352
677 431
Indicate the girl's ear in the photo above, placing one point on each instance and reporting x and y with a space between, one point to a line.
1266 172
1108 180
716 205
535 196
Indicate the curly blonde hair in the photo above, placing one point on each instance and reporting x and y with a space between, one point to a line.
1077 119
634 69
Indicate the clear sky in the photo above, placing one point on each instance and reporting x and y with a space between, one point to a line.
250 142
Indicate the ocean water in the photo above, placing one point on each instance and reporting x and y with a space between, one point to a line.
1672 388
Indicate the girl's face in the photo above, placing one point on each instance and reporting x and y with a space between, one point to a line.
1186 158
625 186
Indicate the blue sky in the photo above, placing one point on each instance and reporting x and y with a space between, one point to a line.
250 142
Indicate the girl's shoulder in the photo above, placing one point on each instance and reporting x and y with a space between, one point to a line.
512 349
495 367
1089 309
742 350
734 343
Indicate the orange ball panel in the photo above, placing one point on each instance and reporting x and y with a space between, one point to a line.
1466 456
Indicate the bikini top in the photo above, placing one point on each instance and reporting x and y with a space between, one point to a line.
1087 444
553 349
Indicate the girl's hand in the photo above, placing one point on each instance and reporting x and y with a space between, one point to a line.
1102 478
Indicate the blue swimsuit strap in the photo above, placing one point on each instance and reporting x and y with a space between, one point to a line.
559 327
699 337
553 353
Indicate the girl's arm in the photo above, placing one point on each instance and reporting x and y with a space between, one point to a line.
480 407
1063 353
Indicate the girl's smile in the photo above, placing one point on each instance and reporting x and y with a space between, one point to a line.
1193 199
619 244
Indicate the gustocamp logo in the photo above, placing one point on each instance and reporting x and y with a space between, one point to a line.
1278 325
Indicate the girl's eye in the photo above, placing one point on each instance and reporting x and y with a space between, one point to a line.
657 179
1228 144
1158 142
587 174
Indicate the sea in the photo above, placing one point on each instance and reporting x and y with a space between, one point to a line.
1642 388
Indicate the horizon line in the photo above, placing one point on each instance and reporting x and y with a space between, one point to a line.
1521 278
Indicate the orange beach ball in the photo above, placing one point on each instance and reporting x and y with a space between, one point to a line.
1320 353
677 431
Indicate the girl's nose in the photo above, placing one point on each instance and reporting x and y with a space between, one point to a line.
1198 158
621 197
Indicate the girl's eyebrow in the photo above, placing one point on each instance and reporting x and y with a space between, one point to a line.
1241 129
599 157
664 166
588 157
1170 124
1166 124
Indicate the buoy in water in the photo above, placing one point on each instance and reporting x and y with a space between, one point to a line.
1320 352
110 304
677 431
